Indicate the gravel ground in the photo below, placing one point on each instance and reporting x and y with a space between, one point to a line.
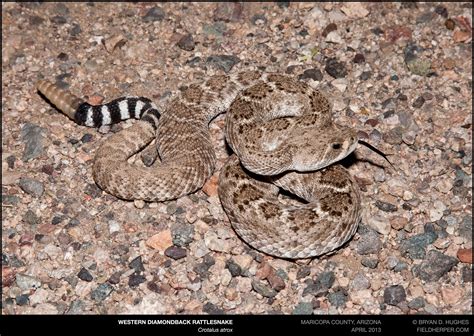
398 72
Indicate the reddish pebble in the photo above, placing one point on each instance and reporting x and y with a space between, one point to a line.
210 187
465 255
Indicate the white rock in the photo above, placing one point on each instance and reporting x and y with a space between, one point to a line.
336 16
436 213
354 10
333 37
214 243
380 225
114 226
340 84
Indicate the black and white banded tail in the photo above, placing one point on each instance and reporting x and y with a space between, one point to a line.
89 115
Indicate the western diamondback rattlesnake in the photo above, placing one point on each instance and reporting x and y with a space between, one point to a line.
282 134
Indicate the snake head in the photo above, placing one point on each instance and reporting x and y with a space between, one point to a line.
321 150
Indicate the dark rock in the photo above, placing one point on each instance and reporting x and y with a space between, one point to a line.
441 10
72 223
223 62
32 187
101 292
465 227
212 309
233 267
303 308
369 241
10 199
73 141
359 58
303 32
415 246
326 279
175 252
434 266
114 278
411 52
202 269
393 295
303 272
418 102
186 42
313 74
276 281
384 206
400 266
57 219
154 14
182 233
450 24
466 274
338 298
329 28
321 285
335 69
417 303
283 4
58 19
137 264
394 78
35 20
135 279
11 161
61 9
227 11
47 169
85 275
369 262
93 190
76 308
425 17
87 138
402 97
377 31
394 136
258 19
193 61
263 289
360 282
32 136
365 75
31 218
75 30
22 300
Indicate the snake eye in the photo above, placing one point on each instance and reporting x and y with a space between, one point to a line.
336 146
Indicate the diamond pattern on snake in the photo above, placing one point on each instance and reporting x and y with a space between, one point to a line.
283 138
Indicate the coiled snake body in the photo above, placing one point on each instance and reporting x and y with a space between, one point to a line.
282 134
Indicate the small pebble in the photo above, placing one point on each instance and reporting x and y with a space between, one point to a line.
186 42
263 289
22 300
434 266
418 102
313 74
136 279
85 275
417 303
369 262
338 298
154 14
369 242
212 309
393 295
303 308
335 69
32 187
233 267
223 62
137 264
101 292
175 252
